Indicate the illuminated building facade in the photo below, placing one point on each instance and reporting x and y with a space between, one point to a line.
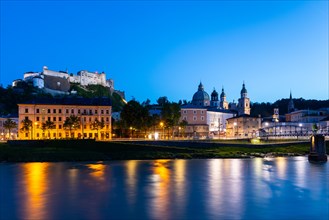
58 110
243 126
196 117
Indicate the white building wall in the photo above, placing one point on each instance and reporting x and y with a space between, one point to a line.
55 73
29 76
217 120
38 82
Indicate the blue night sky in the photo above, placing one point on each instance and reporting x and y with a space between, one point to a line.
165 48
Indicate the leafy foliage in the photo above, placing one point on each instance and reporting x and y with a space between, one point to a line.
9 124
72 123
47 126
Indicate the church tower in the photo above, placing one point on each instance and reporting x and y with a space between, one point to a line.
223 103
214 99
291 106
244 102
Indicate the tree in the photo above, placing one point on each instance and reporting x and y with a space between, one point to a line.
135 116
72 123
27 126
47 126
97 125
171 115
183 125
146 103
9 124
162 100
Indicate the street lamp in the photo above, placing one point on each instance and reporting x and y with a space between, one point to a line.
162 125
35 128
131 132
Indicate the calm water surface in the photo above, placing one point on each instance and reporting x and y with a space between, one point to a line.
277 188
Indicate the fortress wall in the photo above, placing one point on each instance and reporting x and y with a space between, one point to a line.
55 73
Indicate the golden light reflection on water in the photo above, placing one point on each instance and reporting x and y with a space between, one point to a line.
98 171
36 188
131 180
281 164
258 167
180 182
159 190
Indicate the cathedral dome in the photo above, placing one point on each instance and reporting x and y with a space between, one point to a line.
200 97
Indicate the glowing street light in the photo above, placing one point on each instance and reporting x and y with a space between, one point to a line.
131 132
162 125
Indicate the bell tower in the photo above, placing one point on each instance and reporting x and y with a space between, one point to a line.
244 102
214 99
291 106
223 103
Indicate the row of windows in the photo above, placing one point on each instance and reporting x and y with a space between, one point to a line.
194 111
195 118
61 126
107 119
68 111
67 135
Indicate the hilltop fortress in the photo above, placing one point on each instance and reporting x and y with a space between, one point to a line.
58 82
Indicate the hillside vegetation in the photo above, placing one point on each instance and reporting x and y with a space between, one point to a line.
10 97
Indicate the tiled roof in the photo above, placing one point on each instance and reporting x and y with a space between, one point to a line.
192 106
71 101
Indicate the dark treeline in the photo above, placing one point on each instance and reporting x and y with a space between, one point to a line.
266 109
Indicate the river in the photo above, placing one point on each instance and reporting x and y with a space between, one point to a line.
258 188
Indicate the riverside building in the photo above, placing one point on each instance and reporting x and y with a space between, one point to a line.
39 111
